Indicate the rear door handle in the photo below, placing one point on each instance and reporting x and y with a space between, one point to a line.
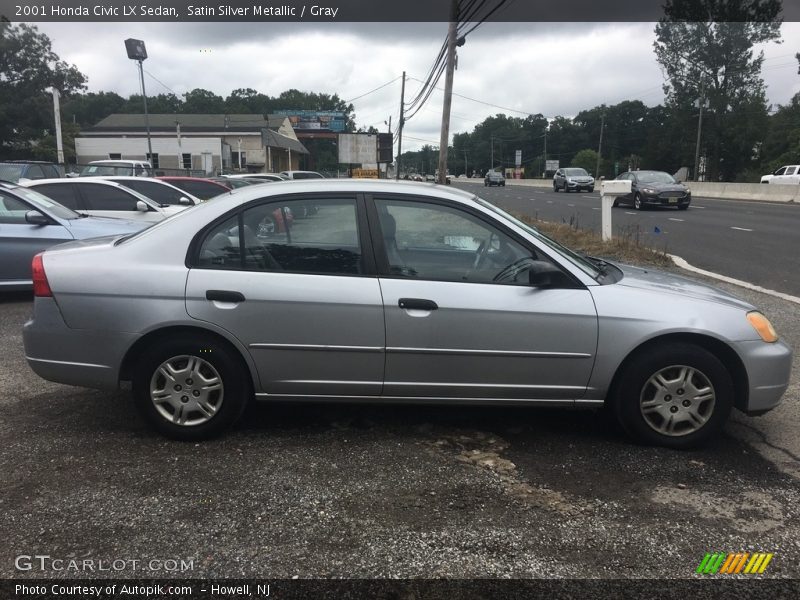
224 296
417 303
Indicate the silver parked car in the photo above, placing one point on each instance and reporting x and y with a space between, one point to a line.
30 222
98 197
394 291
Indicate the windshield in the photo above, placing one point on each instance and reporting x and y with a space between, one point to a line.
99 170
654 177
573 257
40 201
11 172
576 172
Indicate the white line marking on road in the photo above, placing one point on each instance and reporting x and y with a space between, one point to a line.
741 229
671 219
750 286
532 199
538 192
570 205
695 206
549 201
595 208
627 212
585 196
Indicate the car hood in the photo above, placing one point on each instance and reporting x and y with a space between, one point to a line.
661 282
89 227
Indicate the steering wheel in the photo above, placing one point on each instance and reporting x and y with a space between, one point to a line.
480 254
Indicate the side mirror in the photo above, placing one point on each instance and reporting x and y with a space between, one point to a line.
545 274
141 206
184 200
34 217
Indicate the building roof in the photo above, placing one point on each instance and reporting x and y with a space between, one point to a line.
276 140
189 123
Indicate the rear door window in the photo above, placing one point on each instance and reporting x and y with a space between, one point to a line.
63 194
106 197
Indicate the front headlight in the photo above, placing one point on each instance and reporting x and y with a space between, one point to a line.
762 326
648 190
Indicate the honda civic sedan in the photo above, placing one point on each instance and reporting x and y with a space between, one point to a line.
392 292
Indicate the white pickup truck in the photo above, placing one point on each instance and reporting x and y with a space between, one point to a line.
789 174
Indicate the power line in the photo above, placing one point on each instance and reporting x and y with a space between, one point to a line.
372 91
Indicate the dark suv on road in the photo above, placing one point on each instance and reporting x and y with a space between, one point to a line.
494 178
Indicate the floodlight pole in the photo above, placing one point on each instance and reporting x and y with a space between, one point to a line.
146 117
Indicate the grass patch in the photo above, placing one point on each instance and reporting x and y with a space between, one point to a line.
629 247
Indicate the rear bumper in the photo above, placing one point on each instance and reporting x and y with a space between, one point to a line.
88 358
768 369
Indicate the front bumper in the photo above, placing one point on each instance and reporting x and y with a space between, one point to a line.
84 357
579 185
657 200
768 368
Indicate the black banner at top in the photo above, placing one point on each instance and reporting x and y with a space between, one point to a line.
332 11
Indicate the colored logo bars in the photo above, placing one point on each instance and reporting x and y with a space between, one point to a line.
728 564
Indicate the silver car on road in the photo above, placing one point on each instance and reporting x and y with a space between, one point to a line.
391 292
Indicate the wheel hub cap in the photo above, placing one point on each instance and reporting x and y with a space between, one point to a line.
186 390
677 400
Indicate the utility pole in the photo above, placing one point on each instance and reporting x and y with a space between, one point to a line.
465 164
600 145
400 127
544 165
700 103
448 90
57 114
491 166
146 117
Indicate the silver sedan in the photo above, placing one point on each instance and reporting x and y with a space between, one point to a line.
391 292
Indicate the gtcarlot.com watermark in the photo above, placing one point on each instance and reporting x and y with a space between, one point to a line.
46 563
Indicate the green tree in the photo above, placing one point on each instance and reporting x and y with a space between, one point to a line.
28 66
705 48
202 101
585 159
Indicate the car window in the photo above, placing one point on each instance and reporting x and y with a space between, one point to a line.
431 241
780 171
34 172
12 210
10 172
163 194
277 239
63 194
50 171
220 248
204 190
790 170
106 197
40 201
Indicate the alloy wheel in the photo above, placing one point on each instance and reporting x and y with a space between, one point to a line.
186 390
677 400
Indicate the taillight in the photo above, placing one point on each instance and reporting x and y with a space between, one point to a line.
40 286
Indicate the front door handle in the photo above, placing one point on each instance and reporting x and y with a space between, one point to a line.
417 303
224 296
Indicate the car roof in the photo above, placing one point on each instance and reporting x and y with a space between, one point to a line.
118 161
73 180
27 162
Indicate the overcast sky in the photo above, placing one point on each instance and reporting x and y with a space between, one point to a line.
549 68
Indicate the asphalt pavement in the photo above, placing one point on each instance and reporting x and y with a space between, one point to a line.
352 491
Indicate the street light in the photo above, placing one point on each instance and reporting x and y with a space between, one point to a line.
137 52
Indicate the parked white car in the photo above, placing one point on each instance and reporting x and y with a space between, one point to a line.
788 174
135 168
157 190
102 198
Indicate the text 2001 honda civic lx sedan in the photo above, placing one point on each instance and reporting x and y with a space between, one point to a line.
390 292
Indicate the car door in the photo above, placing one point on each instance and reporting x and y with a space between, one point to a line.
20 240
789 176
458 325
303 299
103 200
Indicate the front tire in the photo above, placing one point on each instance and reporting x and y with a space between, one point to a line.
555 187
677 395
637 202
191 387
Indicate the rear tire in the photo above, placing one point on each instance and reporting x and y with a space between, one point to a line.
191 387
677 395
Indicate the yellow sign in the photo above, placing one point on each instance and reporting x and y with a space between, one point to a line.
365 174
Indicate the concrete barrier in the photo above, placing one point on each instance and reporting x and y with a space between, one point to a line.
701 189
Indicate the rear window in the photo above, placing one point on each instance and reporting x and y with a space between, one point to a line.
11 172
